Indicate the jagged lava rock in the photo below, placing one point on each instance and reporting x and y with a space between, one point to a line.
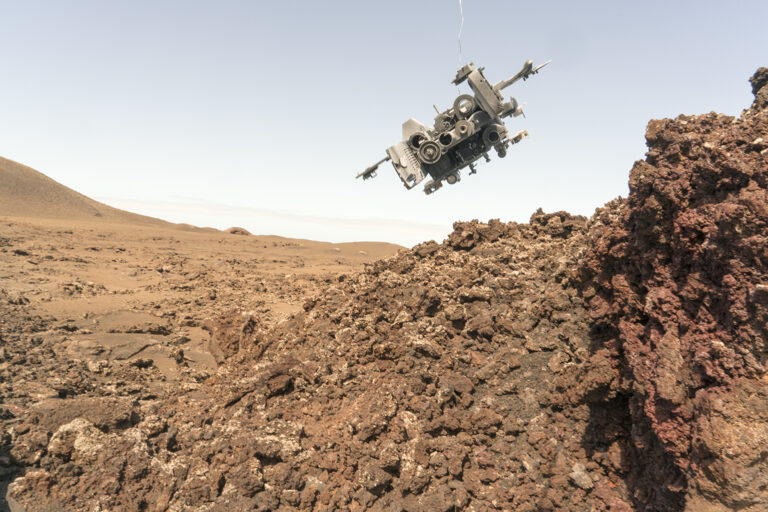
759 83
675 283
422 383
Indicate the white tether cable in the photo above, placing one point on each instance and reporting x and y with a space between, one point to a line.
461 27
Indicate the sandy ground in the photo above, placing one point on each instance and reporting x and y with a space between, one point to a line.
84 301
126 288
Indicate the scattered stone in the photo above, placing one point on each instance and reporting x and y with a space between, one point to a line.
141 362
580 476
238 231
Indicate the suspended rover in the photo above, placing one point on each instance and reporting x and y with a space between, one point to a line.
460 136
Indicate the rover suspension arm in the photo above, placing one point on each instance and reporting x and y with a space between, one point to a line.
371 171
524 73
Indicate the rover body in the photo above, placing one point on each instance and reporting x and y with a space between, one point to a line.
460 135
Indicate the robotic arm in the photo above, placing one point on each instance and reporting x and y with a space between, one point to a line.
370 172
524 73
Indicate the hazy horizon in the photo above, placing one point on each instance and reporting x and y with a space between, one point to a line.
261 114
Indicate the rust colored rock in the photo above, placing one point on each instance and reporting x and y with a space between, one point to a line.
230 333
759 83
728 448
279 384
108 414
374 479
238 231
459 383
674 283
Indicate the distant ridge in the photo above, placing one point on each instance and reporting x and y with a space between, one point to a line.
25 192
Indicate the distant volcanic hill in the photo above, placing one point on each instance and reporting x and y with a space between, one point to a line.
25 192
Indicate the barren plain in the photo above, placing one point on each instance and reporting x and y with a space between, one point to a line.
98 302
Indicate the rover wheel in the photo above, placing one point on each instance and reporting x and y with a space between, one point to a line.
429 152
417 139
464 106
465 128
492 135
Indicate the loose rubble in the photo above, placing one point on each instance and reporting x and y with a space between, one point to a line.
423 383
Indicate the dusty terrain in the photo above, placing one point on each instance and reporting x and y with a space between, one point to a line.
97 302
615 363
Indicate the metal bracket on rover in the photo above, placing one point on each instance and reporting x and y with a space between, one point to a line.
460 136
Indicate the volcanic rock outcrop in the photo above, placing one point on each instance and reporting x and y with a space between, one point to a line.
759 83
677 285
238 231
609 364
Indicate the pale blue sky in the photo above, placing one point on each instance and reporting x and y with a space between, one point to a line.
260 114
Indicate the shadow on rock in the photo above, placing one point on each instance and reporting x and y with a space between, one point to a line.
675 284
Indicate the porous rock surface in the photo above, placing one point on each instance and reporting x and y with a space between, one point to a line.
423 383
676 282
759 83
